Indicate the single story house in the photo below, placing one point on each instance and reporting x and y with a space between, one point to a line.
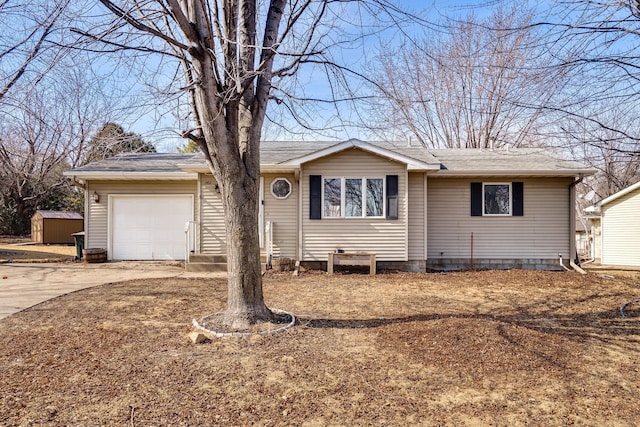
616 228
416 209
55 227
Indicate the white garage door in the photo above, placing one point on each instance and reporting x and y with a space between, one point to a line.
149 227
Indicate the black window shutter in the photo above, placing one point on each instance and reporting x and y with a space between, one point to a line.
517 189
392 196
315 197
476 199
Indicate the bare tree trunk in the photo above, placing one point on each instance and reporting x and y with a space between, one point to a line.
245 302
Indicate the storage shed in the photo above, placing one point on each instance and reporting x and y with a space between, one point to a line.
55 227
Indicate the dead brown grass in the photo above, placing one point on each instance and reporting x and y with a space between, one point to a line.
475 348
20 249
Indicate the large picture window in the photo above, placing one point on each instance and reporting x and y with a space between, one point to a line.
353 197
497 199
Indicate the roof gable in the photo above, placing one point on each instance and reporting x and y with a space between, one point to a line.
613 197
413 162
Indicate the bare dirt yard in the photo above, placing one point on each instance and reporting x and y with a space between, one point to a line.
472 348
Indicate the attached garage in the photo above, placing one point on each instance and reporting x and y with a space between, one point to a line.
148 227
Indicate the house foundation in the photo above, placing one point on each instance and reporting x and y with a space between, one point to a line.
458 264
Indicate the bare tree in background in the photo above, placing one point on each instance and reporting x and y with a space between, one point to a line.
614 156
44 132
29 32
598 119
233 53
600 42
111 140
480 84
51 101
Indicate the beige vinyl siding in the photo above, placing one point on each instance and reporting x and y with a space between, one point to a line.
542 233
97 217
386 238
283 215
621 231
417 220
212 225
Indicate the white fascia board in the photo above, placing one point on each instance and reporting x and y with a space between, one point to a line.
593 209
279 168
271 168
412 164
484 173
201 168
172 176
619 194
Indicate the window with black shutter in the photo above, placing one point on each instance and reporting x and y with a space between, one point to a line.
497 199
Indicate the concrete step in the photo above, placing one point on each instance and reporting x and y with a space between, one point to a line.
216 258
206 267
207 258
202 263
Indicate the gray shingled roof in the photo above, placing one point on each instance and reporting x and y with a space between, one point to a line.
520 160
142 162
452 161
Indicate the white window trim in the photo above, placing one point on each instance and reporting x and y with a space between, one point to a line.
510 198
281 179
364 197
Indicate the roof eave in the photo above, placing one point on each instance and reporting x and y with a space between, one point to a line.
128 175
541 173
619 194
279 168
593 209
195 168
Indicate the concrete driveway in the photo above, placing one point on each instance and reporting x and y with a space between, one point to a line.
25 285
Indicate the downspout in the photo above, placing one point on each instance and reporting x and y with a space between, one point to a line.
572 225
562 264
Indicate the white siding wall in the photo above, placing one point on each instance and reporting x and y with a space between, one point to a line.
97 216
212 226
417 219
387 238
283 214
621 231
542 233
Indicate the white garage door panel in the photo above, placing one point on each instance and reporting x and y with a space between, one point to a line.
149 227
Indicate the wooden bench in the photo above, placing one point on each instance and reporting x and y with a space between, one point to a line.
352 258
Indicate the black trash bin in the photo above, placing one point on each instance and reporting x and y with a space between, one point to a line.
79 239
